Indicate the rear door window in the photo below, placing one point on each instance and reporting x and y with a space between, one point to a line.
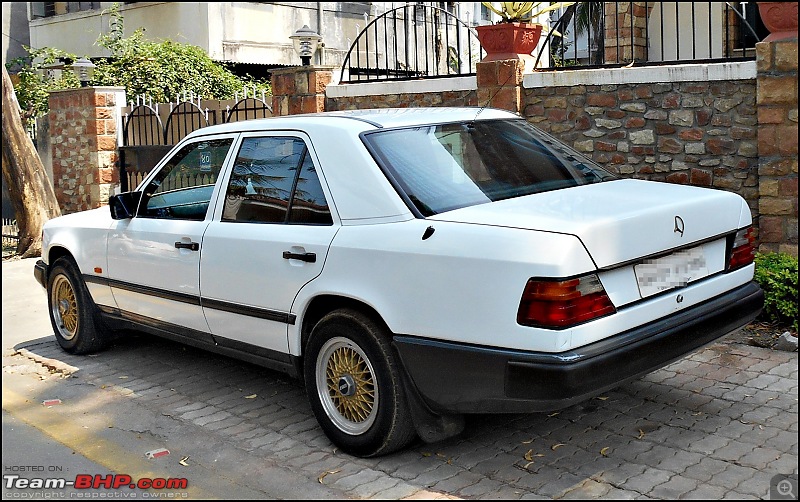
274 180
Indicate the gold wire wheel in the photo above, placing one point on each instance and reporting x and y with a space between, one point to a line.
64 307
346 385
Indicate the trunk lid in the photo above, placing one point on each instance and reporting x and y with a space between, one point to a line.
617 221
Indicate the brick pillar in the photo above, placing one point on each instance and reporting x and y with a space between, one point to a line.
626 26
83 134
500 84
300 90
777 145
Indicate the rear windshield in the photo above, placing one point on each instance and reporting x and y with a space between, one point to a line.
448 166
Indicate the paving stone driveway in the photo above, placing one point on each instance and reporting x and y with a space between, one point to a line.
718 424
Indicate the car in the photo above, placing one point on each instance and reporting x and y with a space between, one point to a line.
410 266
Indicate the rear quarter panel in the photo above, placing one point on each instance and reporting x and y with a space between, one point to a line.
464 283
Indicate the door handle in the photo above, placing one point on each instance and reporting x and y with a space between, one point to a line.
192 246
307 257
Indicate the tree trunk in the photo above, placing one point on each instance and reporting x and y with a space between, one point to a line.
29 188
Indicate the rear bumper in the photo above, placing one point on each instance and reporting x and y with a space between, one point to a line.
40 272
458 378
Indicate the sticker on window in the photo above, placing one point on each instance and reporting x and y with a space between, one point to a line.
205 161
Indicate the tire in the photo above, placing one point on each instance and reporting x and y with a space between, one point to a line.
74 316
353 382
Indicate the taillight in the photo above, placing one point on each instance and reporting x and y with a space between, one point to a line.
559 304
743 251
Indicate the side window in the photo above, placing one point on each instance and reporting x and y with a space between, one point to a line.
183 187
274 180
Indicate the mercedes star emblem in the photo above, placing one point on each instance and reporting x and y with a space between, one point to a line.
678 225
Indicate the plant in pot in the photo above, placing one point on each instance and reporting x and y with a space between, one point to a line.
780 18
517 33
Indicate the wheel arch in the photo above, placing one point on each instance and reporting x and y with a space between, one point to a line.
322 305
57 252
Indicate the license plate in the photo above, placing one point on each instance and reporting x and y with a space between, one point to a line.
672 271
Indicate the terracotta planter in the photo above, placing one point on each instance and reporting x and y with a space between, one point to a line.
780 18
508 40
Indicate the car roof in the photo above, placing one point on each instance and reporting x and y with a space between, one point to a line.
400 117
376 118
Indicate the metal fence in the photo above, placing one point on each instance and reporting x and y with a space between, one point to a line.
412 42
187 181
32 129
419 41
598 34
10 236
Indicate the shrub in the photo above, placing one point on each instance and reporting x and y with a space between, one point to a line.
163 69
776 273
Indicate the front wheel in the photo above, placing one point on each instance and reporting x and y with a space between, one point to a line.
73 314
353 382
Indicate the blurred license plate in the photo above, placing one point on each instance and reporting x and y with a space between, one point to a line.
672 271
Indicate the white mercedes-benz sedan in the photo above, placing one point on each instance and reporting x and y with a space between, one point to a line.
410 265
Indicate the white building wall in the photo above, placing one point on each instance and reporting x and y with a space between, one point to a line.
242 32
680 41
184 22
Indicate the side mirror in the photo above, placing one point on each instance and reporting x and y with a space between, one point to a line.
123 206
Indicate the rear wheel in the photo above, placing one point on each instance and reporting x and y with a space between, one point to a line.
353 382
74 316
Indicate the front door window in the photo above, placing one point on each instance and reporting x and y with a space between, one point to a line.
183 187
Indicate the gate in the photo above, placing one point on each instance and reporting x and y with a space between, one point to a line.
150 130
143 145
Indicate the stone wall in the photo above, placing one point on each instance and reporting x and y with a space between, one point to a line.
457 91
777 144
691 132
406 100
83 134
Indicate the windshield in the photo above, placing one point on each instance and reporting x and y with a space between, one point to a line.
449 166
